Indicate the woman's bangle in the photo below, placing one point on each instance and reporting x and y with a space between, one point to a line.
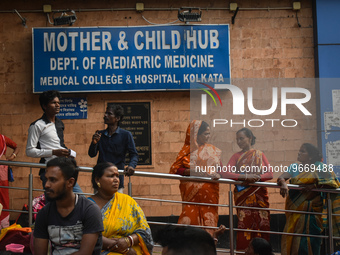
126 251
127 240
215 239
131 239
15 155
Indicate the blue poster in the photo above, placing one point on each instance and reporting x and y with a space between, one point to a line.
157 58
73 108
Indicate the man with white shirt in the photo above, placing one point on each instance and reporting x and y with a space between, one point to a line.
46 135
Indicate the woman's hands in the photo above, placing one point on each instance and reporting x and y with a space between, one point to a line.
249 178
131 252
307 190
219 231
11 157
283 187
120 245
215 176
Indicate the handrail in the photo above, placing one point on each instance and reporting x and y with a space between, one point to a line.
175 177
191 178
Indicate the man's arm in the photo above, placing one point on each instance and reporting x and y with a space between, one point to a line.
40 246
87 244
93 149
32 144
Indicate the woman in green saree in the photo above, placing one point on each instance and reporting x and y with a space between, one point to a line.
310 173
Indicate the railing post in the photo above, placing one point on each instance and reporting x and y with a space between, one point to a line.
30 198
330 223
130 187
231 222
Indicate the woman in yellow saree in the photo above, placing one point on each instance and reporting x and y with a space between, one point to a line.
126 230
311 173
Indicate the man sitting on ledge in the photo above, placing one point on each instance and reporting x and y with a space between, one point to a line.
72 223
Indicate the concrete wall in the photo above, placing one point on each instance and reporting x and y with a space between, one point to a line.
263 44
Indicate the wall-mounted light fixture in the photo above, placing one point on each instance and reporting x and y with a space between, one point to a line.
65 19
296 6
233 7
139 7
189 14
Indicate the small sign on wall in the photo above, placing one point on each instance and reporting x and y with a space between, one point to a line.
73 108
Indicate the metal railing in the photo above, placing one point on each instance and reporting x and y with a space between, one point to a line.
231 207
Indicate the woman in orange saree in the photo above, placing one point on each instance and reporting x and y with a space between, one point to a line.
249 165
200 159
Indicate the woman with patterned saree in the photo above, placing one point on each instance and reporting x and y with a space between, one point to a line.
249 165
126 230
200 159
311 173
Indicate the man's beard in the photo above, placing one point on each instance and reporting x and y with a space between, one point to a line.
58 197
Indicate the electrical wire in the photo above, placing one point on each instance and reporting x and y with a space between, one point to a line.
297 19
172 22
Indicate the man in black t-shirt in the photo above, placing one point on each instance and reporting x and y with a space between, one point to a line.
72 223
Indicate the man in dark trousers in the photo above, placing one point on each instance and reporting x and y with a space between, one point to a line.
72 223
46 135
114 142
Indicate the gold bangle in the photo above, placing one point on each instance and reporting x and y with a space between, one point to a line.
126 251
127 240
15 155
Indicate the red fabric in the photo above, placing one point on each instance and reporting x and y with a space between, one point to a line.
181 171
38 203
252 219
4 193
18 237
233 162
4 143
252 196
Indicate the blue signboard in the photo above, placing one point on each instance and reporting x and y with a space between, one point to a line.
73 108
129 58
